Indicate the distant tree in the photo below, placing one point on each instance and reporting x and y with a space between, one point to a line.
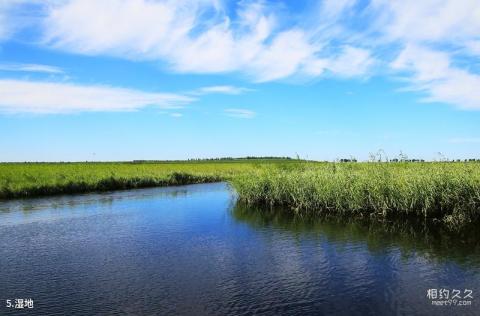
402 156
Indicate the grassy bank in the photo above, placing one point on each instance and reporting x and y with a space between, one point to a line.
446 191
37 179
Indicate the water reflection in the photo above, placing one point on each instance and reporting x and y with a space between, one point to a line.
72 201
433 240
193 250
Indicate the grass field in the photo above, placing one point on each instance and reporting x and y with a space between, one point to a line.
447 191
36 179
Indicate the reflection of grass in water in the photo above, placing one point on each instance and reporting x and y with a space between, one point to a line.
88 200
431 239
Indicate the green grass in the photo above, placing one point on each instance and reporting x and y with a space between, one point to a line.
37 179
446 191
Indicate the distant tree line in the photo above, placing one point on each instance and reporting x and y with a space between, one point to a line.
411 160
217 159
242 158
348 160
406 160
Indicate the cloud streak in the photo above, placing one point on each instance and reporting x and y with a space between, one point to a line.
240 113
31 68
18 96
220 90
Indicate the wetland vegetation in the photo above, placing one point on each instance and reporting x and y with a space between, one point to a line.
445 191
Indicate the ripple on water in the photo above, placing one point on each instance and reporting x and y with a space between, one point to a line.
193 250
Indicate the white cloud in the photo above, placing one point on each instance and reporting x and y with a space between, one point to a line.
191 36
3 24
5 20
429 20
149 30
13 17
473 47
49 97
432 72
240 113
331 10
435 35
220 89
343 38
350 62
283 57
31 68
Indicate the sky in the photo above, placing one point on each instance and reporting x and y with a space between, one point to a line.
110 80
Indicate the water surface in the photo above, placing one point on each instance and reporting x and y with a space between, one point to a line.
193 250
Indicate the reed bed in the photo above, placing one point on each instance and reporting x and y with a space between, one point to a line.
446 191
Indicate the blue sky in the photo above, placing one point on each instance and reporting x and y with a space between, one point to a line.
137 79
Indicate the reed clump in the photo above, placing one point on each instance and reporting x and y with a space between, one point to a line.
446 191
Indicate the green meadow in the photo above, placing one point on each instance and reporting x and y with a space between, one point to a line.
448 191
37 179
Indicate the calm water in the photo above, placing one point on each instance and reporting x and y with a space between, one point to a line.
191 250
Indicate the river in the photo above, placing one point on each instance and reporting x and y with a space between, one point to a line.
193 250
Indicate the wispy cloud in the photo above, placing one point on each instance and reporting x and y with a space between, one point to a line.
432 72
3 22
240 113
220 90
428 21
51 97
443 29
14 17
343 38
6 26
31 68
195 37
349 62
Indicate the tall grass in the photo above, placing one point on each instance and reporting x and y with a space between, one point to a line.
447 191
36 179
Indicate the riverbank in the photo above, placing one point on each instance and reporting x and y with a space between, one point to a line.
20 180
445 191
